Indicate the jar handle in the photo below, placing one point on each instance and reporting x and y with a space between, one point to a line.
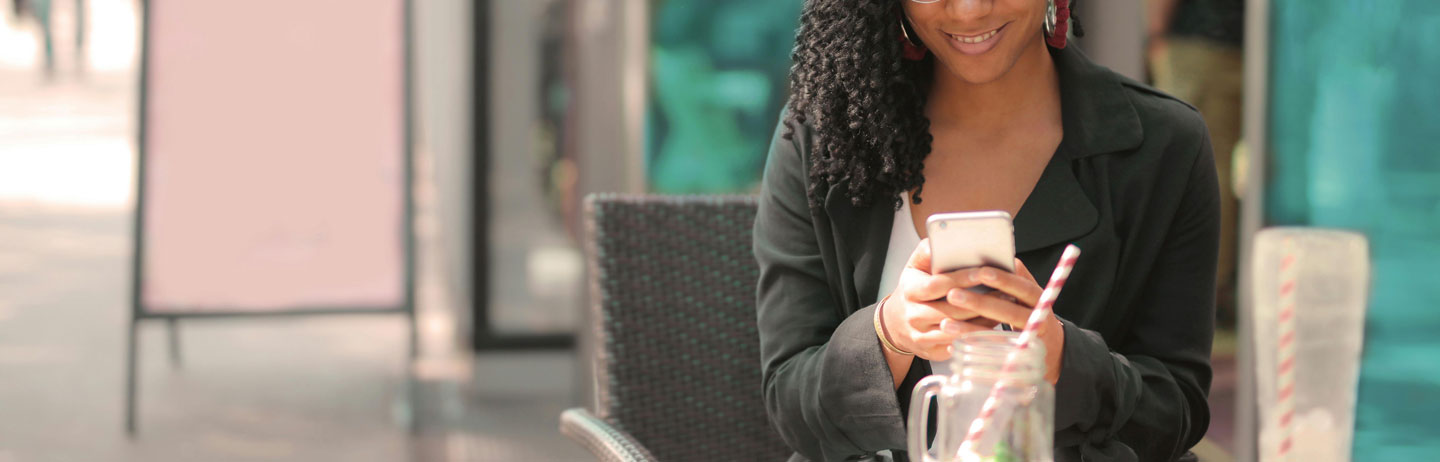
919 417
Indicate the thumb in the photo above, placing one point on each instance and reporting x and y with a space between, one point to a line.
920 258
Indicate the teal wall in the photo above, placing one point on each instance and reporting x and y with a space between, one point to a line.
1355 143
718 73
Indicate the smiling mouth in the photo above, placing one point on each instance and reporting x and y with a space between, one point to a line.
976 38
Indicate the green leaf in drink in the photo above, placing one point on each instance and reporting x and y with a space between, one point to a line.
1003 453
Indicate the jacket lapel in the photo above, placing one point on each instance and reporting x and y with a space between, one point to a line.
862 236
1098 118
1057 210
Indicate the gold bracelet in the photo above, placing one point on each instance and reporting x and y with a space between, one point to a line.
880 330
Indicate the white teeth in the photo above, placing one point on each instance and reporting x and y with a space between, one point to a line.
978 38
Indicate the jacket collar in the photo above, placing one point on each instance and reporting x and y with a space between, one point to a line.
1095 107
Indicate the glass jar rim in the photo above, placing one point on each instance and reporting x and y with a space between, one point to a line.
995 341
983 355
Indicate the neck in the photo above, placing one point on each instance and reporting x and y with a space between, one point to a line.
1030 88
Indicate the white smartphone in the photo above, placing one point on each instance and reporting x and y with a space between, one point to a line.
970 239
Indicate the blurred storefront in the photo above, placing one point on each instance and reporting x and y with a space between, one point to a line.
580 96
717 79
1352 129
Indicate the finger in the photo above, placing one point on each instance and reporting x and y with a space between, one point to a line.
1023 289
1024 272
920 258
933 338
963 278
933 345
990 307
936 286
928 288
987 323
934 354
950 330
938 344
964 327
924 316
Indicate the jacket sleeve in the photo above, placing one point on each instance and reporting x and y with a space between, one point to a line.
827 387
1145 397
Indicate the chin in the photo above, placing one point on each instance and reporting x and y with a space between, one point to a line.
978 76
977 72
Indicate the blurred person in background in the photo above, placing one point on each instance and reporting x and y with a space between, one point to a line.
1196 52
41 11
904 108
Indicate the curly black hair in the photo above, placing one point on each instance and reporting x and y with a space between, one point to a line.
865 105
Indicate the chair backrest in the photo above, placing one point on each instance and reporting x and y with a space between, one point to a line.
677 363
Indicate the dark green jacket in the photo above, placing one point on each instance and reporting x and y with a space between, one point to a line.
1133 184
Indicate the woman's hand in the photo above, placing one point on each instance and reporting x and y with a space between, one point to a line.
1014 299
917 317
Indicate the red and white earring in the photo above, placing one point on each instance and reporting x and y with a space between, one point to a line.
913 49
1057 22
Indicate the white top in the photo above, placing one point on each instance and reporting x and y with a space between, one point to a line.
903 240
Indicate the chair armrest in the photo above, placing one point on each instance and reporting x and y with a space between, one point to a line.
607 443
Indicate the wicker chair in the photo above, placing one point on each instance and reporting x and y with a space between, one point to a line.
676 353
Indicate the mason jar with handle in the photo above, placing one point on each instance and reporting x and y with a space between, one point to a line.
1022 426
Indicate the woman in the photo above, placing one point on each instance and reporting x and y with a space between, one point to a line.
904 108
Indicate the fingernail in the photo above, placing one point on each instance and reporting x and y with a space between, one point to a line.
949 326
958 296
988 275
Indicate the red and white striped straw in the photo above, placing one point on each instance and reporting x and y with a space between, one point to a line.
1285 347
1032 327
